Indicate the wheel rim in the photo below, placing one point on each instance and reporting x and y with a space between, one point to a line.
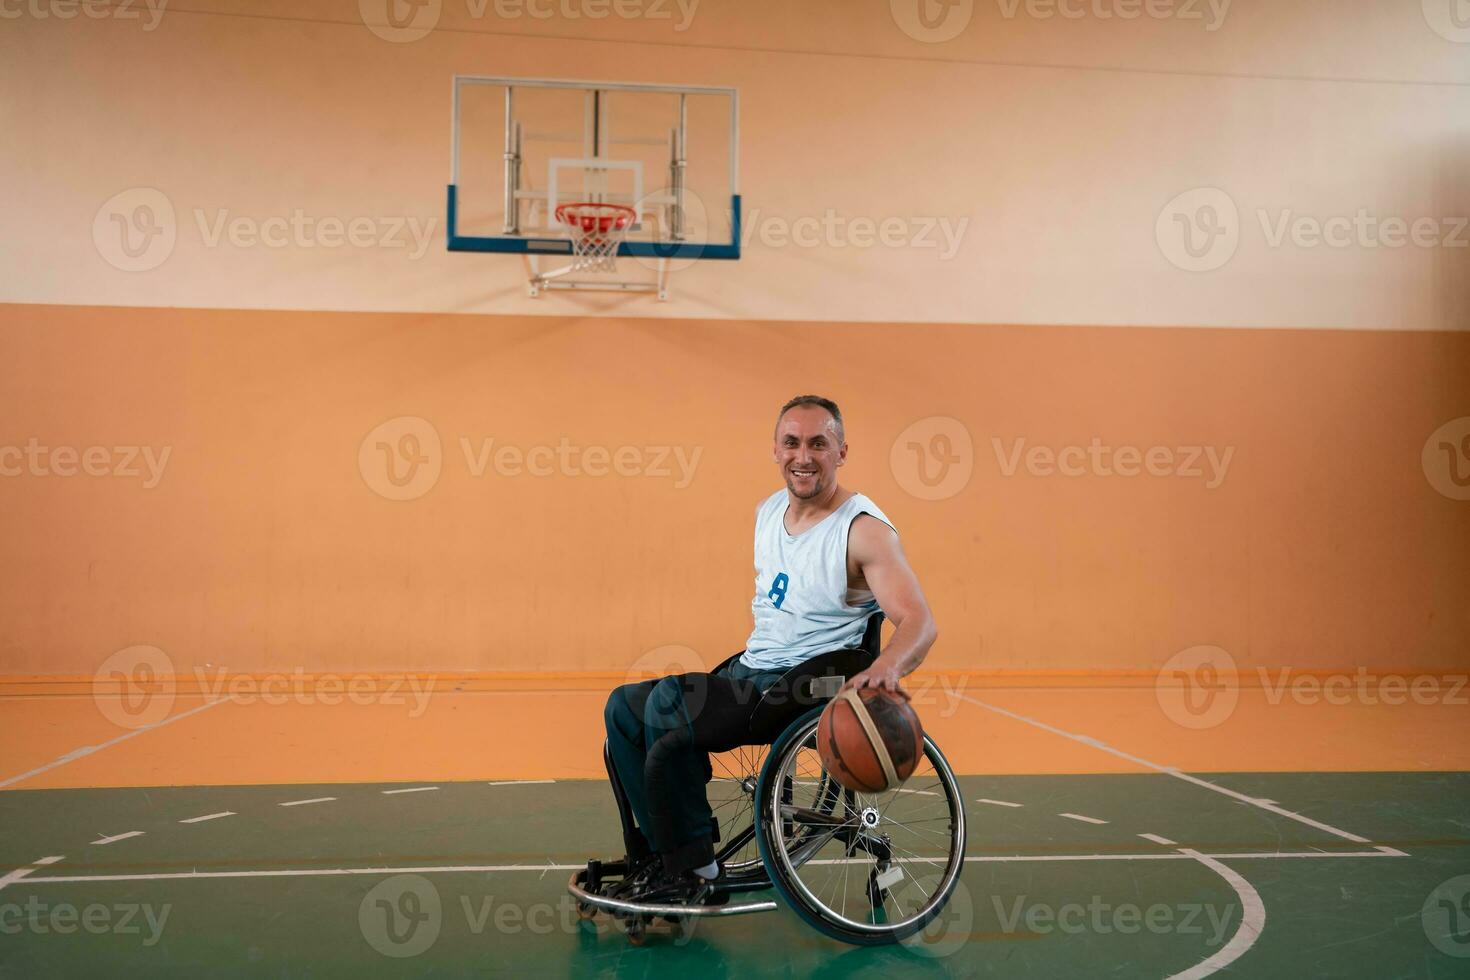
902 847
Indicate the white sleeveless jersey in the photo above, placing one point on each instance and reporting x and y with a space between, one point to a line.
802 604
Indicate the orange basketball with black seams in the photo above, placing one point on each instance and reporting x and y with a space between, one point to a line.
848 748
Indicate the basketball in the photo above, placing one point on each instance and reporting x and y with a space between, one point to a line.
869 740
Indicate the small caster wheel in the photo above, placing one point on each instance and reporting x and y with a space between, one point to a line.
585 911
636 930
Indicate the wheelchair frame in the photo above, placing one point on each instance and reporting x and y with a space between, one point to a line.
802 693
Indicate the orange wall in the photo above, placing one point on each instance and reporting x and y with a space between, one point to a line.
1050 146
265 545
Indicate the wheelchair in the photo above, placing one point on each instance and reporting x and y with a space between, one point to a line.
863 868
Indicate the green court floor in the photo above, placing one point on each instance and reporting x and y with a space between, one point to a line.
469 879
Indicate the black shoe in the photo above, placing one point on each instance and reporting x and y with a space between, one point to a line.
640 869
684 888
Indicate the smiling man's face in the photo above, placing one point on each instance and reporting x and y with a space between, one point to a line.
809 449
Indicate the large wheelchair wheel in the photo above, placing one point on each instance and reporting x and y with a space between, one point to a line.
865 868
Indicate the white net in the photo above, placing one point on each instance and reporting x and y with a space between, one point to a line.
594 230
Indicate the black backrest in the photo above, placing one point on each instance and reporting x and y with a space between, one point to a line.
811 683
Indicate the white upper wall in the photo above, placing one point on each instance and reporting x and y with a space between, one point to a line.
1043 164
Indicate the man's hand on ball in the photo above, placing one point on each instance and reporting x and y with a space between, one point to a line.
882 676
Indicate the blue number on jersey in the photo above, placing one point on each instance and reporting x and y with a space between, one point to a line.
777 595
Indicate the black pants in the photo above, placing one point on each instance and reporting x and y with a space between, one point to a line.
660 734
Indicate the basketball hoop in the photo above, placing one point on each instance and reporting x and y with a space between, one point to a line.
594 248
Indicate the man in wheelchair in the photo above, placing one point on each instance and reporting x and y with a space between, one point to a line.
828 563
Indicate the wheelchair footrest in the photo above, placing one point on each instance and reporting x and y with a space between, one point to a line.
589 892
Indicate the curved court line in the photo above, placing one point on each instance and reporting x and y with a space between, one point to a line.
1169 770
1252 921
86 750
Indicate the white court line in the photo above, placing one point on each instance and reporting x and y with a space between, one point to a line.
317 799
1157 839
518 782
11 877
209 816
1169 770
1081 817
1000 803
86 750
412 789
117 837
481 868
1252 921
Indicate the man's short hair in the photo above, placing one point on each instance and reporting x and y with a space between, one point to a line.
824 403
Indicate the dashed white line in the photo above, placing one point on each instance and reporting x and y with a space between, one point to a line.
1170 770
411 789
1158 840
118 837
317 799
12 877
1000 802
517 782
1081 817
209 816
